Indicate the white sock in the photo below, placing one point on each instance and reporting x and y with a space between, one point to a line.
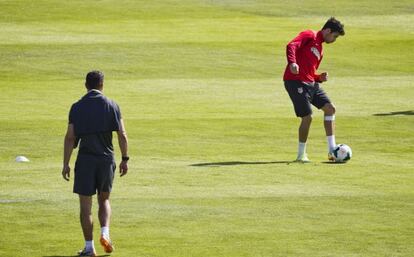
89 245
331 143
105 231
301 148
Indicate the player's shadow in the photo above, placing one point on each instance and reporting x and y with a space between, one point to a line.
105 255
334 163
233 163
411 112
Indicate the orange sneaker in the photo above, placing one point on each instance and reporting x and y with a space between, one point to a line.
331 157
84 252
106 244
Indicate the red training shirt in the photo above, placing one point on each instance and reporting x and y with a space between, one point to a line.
306 51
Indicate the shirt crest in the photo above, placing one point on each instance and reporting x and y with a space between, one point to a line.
315 51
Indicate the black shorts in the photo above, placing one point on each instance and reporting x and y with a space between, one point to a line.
303 95
93 173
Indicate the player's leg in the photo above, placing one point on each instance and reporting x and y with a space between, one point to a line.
329 119
303 137
104 185
329 124
104 212
86 216
87 225
304 128
84 186
322 101
300 97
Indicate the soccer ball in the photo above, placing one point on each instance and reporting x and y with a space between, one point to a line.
342 153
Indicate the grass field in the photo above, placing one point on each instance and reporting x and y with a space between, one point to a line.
211 128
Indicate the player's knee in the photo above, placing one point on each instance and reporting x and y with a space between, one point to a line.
333 109
329 109
307 119
103 198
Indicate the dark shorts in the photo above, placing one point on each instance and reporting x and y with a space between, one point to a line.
303 95
93 173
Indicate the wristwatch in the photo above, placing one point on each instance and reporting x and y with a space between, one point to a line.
125 158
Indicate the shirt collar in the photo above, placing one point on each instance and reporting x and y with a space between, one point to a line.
93 92
319 37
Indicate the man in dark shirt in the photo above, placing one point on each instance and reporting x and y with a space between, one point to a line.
91 122
304 54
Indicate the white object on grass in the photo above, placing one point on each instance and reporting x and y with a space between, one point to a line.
22 159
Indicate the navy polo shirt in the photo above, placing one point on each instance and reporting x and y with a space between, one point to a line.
94 117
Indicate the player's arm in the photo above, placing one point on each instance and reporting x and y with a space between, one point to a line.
123 145
323 77
69 143
293 46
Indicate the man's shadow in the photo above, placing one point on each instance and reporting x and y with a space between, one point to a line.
105 255
233 163
411 112
334 163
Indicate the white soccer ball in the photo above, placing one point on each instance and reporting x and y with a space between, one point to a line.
342 153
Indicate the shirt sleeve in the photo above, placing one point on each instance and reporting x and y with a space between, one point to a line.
72 121
117 118
71 116
317 78
298 42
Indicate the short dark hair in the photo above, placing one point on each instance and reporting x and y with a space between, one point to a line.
94 79
335 26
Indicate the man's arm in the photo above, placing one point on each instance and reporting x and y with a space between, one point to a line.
323 77
123 145
69 143
293 46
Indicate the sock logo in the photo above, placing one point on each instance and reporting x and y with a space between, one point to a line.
300 90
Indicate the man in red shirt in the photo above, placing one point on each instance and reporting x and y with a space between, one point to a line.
304 54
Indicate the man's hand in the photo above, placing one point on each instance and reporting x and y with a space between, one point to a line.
66 172
294 68
123 168
323 77
68 145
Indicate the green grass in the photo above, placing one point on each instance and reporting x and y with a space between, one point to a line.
211 128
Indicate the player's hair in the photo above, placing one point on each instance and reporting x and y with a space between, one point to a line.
94 79
335 26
